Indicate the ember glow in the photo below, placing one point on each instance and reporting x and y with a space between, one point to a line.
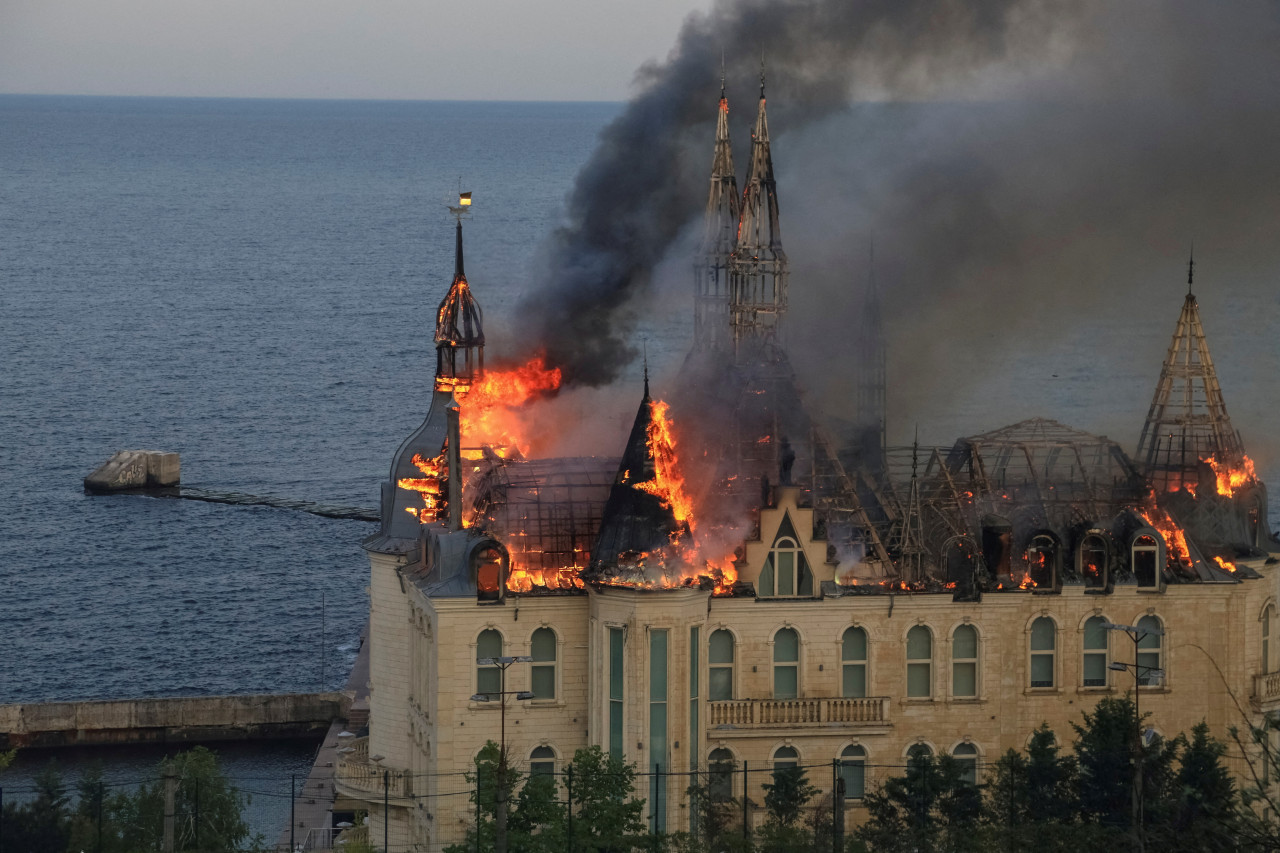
523 579
1232 477
430 485
489 409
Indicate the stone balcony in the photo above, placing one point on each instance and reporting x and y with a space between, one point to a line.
1266 689
359 778
747 715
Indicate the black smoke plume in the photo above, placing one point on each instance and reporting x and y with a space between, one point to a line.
638 191
1033 174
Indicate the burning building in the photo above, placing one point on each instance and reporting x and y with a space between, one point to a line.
738 587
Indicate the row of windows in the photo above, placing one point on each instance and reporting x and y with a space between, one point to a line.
1043 651
854 656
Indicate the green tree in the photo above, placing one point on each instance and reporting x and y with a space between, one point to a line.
1105 749
786 795
208 809
1205 813
42 825
931 807
607 814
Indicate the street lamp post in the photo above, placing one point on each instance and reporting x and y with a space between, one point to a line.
500 818
1140 671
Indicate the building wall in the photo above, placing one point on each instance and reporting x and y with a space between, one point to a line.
389 668
423 672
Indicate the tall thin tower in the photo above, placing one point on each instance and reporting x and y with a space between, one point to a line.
758 274
1188 418
719 236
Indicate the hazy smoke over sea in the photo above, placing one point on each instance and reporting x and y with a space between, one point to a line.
1024 166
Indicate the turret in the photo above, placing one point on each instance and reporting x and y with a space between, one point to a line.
1188 418
719 238
459 332
758 276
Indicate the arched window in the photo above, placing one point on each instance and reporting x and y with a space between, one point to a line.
853 770
1042 561
786 570
964 662
919 753
1146 555
1095 645
1150 651
489 649
1268 618
784 758
919 663
966 755
853 662
1044 642
542 761
543 650
786 664
720 767
1093 561
721 663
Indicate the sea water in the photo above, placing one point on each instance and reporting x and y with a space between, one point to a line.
252 284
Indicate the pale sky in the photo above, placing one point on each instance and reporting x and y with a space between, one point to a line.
414 49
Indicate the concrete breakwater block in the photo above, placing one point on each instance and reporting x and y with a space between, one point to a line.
135 469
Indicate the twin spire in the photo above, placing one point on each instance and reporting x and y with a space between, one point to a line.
742 274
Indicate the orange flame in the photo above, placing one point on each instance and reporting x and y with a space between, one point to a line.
667 483
1225 564
430 486
488 413
1232 478
1175 540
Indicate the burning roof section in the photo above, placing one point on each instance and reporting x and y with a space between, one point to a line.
639 530
1188 420
547 512
758 277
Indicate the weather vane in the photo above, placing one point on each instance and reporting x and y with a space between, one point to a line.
464 203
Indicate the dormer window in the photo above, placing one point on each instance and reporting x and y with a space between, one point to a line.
786 570
1093 561
487 566
1146 560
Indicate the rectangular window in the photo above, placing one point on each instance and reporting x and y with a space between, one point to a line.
964 679
1042 670
854 773
918 678
854 681
615 692
786 573
658 728
786 682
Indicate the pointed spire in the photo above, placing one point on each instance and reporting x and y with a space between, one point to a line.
1188 419
459 333
719 235
1191 268
646 370
457 259
758 284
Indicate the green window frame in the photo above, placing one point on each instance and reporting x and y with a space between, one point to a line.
542 648
853 663
919 662
488 676
786 664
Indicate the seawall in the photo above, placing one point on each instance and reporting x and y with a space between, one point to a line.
183 719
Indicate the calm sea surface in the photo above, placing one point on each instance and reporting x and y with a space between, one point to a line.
251 284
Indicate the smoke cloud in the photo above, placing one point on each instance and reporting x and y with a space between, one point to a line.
1032 172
